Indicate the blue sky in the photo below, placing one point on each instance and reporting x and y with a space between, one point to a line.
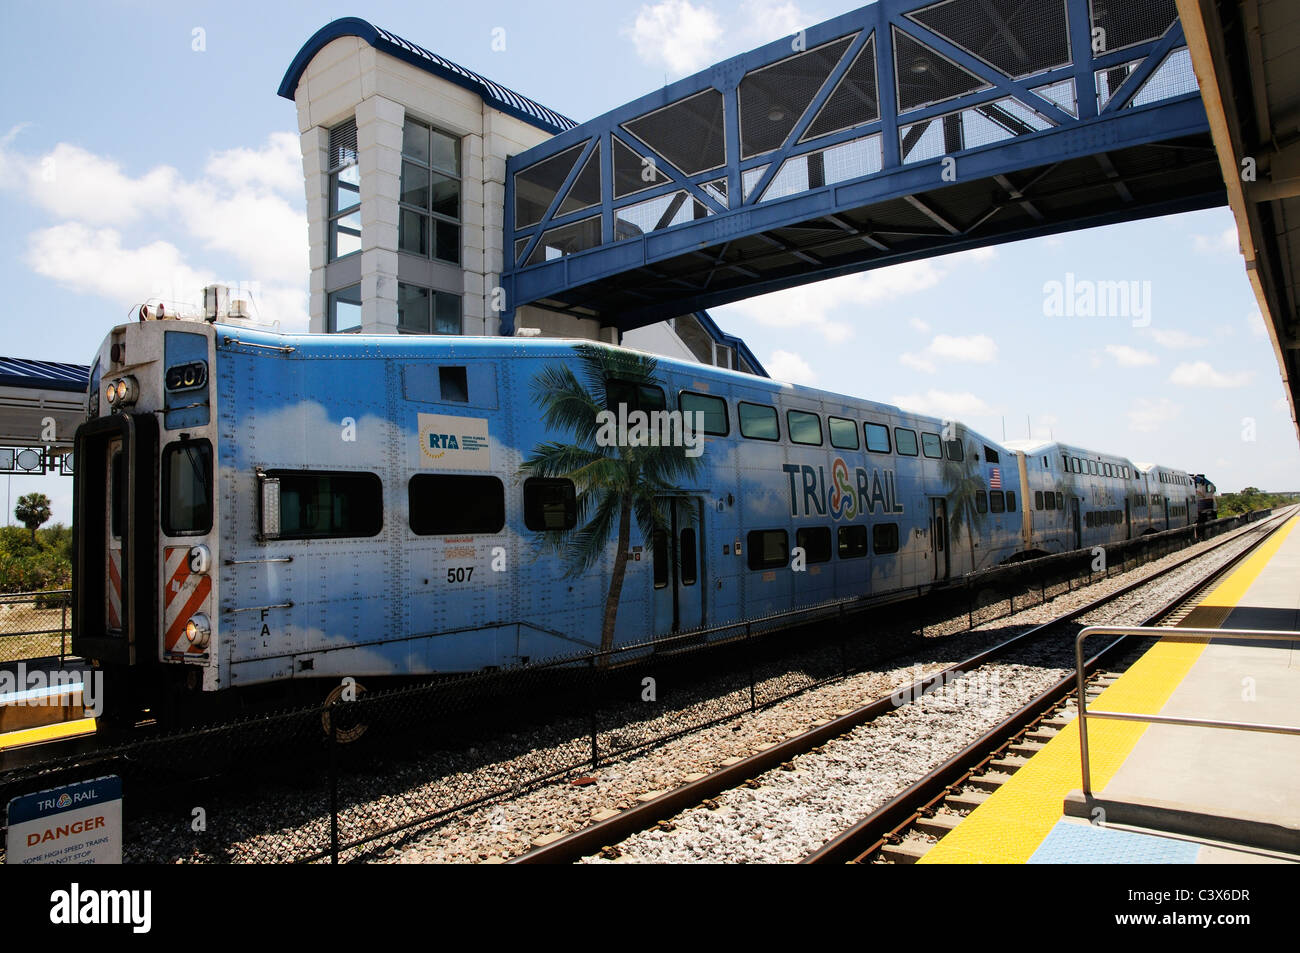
132 163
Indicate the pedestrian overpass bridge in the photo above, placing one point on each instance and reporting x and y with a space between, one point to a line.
902 130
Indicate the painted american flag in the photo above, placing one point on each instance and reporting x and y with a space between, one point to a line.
995 479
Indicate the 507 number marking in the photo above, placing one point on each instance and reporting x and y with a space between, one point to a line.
459 573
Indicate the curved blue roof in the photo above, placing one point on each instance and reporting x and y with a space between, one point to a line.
506 100
44 375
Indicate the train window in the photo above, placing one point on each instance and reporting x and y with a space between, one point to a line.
768 548
1049 500
1011 501
844 433
997 502
1078 465
633 395
954 450
321 505
804 428
758 422
878 438
1065 462
852 541
187 488
714 410
1038 499
549 505
815 541
688 568
453 384
981 501
659 551
1087 519
1060 501
930 445
884 538
1092 467
992 456
445 504
905 441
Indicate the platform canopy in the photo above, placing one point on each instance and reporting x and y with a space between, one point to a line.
1247 55
41 405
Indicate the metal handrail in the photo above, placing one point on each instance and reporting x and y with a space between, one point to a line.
1249 635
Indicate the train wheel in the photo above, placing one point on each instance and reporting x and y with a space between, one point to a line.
350 726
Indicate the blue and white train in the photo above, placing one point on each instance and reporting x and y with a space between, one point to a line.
257 508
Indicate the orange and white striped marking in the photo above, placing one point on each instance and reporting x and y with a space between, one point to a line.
114 594
183 595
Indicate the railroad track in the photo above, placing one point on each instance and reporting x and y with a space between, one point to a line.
997 752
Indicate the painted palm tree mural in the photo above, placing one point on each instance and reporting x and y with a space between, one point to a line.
964 482
613 484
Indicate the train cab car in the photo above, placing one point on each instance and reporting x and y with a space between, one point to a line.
1170 496
1207 506
258 509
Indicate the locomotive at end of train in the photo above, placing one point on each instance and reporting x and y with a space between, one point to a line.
256 511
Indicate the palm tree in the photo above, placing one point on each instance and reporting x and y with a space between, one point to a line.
33 510
964 483
612 484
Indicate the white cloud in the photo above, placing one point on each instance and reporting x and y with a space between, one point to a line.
788 366
677 35
1224 242
1255 322
1175 340
823 305
947 348
1202 374
945 404
919 325
684 37
238 208
1126 356
1147 414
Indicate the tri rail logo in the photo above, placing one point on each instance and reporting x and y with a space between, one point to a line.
75 906
866 492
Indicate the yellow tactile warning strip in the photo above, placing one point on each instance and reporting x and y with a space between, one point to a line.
1011 824
58 732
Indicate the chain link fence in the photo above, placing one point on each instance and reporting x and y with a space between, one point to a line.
360 777
35 625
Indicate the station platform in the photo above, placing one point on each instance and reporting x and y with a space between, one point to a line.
1171 794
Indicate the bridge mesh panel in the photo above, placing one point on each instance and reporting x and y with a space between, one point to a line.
1061 93
848 160
1132 21
675 208
1173 77
630 168
688 133
773 99
855 99
925 77
585 191
718 190
1012 36
567 239
535 186
1110 80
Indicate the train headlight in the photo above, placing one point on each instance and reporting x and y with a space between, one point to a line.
122 391
198 630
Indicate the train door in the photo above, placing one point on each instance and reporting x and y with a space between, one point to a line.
678 556
1166 504
1128 519
939 537
1076 522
